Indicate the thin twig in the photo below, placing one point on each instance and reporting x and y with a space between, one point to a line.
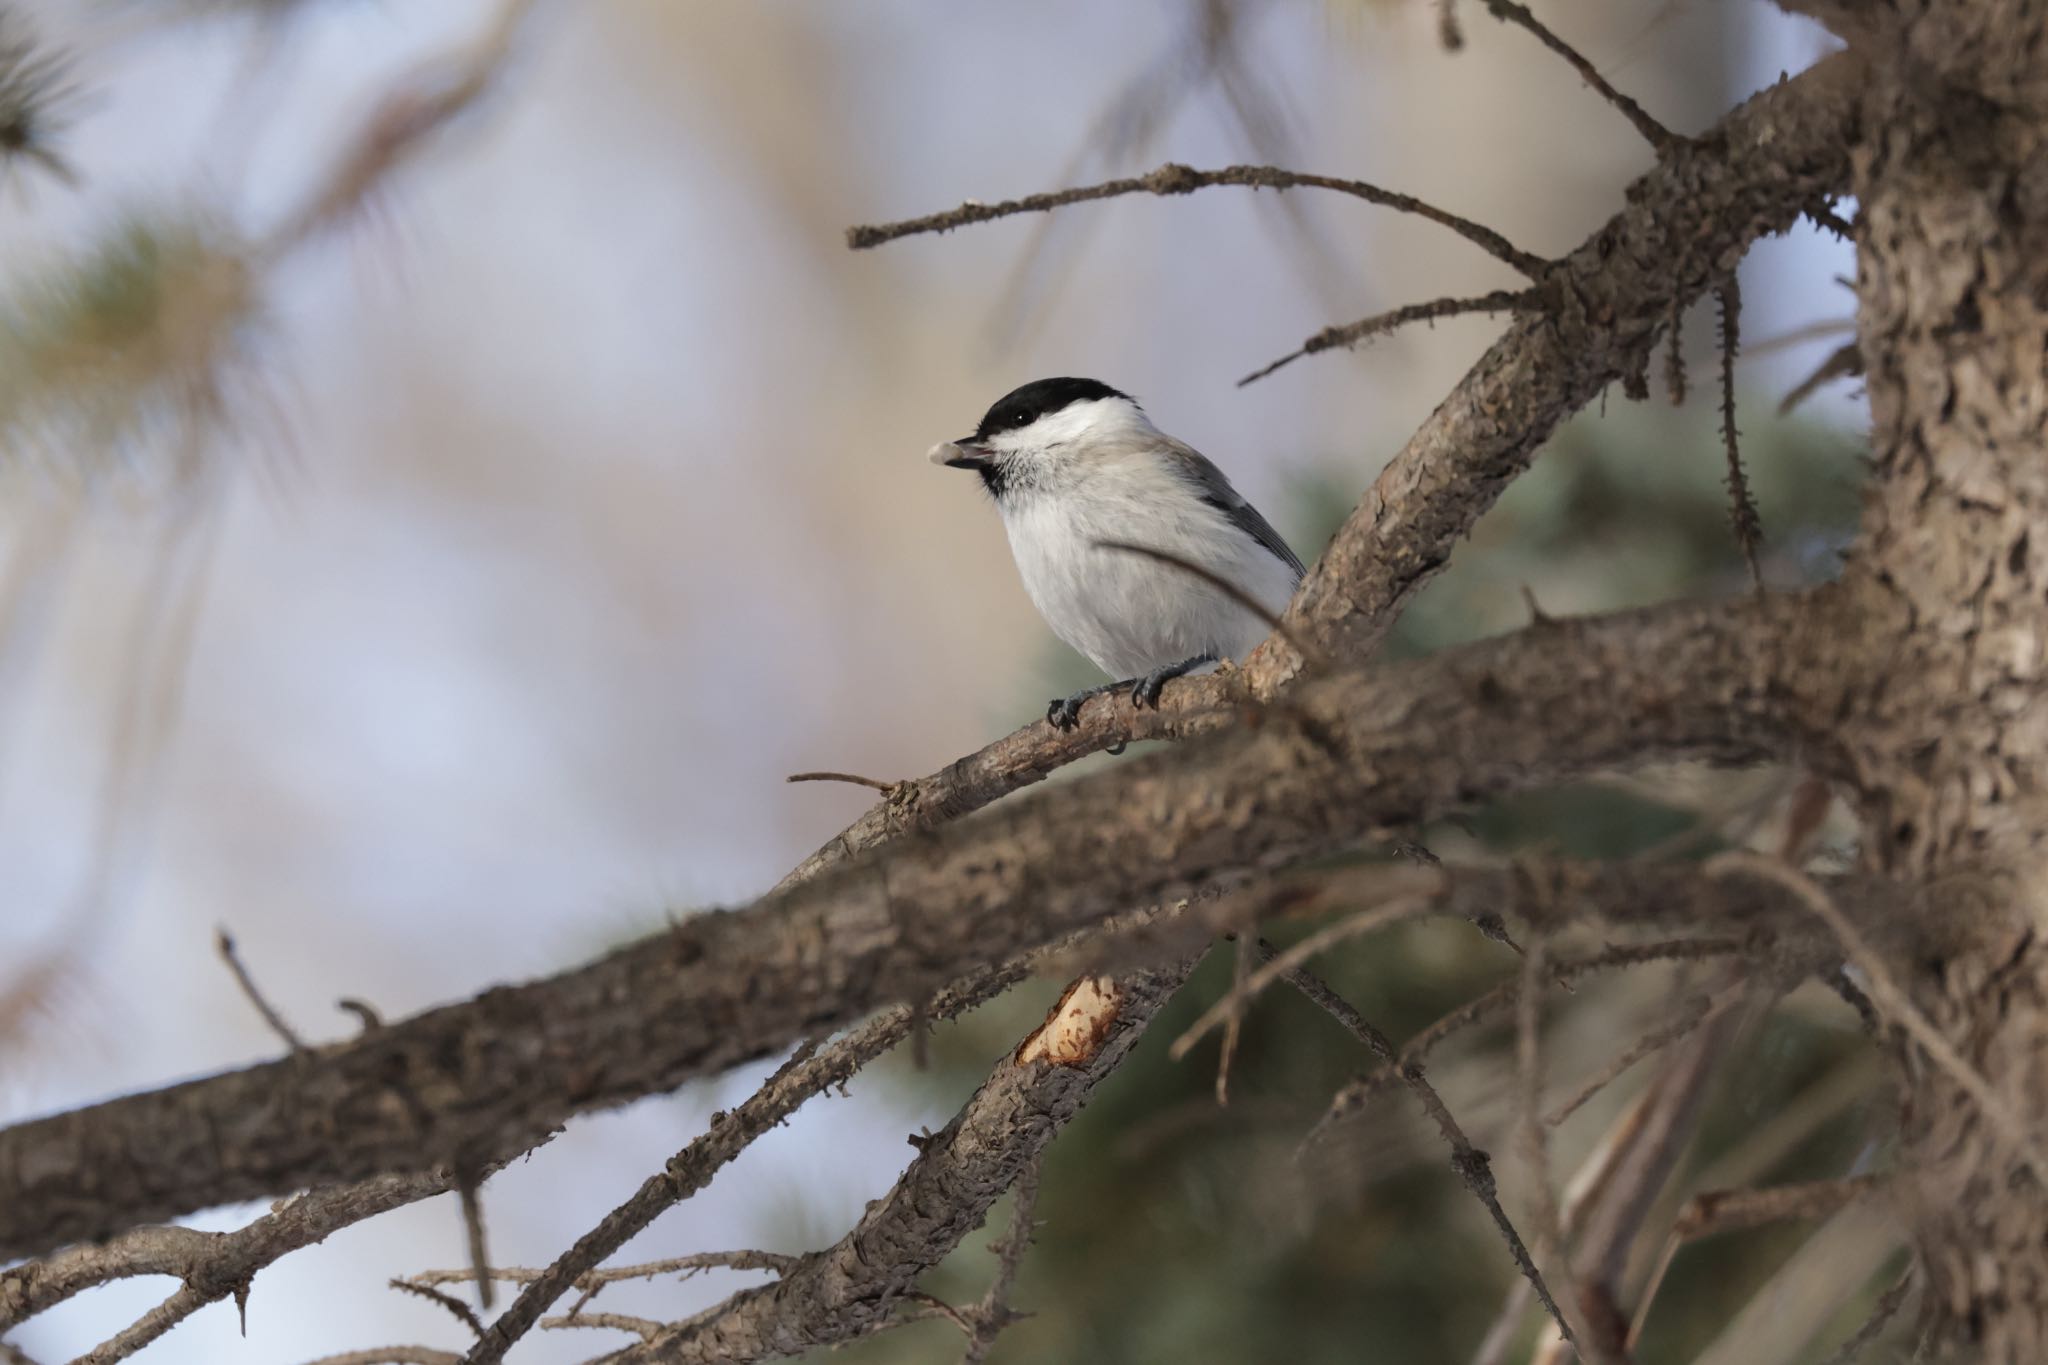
1713 1212
1530 1143
1473 1166
1360 1089
993 1313
592 1280
1844 362
473 1235
1749 530
1890 999
1449 31
391 1355
1173 178
1351 333
853 778
1887 1306
1674 355
1654 133
1364 922
1233 1028
1694 1012
690 1169
644 1328
224 943
462 1311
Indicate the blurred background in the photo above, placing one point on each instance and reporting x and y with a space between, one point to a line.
429 568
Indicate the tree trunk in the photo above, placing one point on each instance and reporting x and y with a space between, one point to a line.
1945 604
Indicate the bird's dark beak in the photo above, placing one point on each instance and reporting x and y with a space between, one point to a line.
960 454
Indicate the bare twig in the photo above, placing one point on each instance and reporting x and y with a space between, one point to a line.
1695 1011
1352 926
1654 133
1844 362
227 1266
1888 1304
1449 31
1664 1126
1890 999
730 1133
993 1313
224 943
647 1329
1531 1145
1473 1166
473 1237
1713 1212
1233 1027
1173 178
854 779
1353 1097
391 1355
1674 356
1351 333
461 1311
590 1281
1742 511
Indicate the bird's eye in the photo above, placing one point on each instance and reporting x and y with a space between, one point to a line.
1021 417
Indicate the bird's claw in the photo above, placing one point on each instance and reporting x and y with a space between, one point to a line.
1064 713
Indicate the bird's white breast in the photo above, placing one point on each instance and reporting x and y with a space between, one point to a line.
1127 613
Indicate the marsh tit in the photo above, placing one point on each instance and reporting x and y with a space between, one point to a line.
1074 465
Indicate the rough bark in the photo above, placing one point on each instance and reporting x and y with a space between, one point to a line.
1944 627
1342 756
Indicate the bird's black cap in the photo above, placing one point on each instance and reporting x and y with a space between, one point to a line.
1022 406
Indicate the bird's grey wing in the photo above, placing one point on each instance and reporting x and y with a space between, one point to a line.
1217 492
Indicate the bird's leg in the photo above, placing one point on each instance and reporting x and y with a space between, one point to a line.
1145 690
1064 713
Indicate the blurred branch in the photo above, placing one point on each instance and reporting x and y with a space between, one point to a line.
416 107
1173 178
1347 755
1355 1094
1844 362
1473 1166
1891 999
37 98
1654 133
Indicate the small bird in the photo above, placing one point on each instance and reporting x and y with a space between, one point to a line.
1074 466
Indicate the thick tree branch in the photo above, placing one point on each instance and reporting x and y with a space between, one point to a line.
730 1133
854 1287
1344 756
